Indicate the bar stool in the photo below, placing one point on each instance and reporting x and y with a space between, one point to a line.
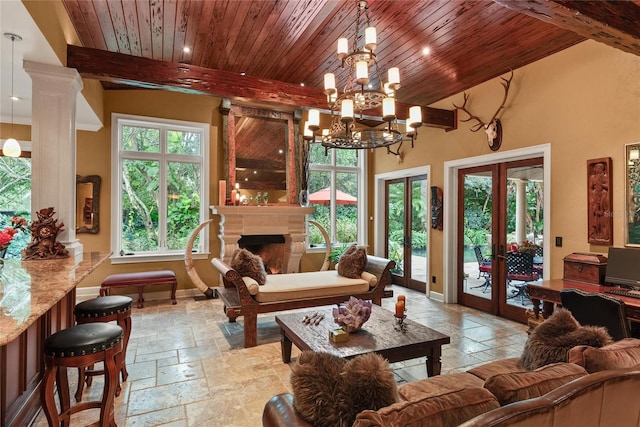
101 310
77 346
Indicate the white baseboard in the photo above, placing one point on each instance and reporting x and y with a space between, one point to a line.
83 294
437 296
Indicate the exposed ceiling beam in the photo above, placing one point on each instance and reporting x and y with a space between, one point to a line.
614 23
148 73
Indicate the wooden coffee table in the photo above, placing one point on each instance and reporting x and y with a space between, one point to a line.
378 335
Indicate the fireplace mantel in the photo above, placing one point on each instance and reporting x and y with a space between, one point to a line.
286 220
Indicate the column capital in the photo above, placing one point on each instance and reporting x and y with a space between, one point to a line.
49 73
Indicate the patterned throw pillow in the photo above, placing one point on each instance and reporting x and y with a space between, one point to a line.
248 264
352 262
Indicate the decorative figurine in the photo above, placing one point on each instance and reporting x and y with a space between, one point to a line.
44 232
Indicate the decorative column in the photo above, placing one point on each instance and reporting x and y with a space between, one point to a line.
53 134
521 210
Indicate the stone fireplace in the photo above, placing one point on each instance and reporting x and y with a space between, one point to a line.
273 224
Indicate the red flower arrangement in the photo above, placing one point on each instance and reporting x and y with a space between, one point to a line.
6 236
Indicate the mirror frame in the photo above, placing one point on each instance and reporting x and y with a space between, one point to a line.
95 180
632 195
292 119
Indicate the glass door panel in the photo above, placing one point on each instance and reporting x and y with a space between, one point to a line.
419 227
407 226
523 233
395 224
475 249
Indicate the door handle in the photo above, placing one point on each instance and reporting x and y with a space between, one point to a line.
501 254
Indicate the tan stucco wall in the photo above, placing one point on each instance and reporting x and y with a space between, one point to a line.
94 158
583 101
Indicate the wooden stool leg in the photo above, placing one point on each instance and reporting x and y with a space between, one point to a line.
111 383
126 327
81 380
63 395
48 395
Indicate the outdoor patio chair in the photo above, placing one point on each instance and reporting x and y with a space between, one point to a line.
484 269
591 308
484 263
520 269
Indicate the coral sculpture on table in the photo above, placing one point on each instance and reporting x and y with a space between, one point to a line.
353 314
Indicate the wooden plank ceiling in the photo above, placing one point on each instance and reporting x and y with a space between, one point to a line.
272 46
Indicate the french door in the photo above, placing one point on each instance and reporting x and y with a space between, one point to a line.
406 230
500 229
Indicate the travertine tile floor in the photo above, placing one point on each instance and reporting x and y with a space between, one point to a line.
187 366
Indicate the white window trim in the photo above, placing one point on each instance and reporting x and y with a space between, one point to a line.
202 249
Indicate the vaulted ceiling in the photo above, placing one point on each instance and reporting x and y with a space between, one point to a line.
265 49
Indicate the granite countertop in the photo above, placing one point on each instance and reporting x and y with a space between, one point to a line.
28 289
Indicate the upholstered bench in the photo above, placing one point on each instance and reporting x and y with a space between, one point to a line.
140 280
242 296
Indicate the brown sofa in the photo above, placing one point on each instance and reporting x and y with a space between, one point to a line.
597 387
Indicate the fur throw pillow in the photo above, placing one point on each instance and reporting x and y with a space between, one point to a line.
352 262
329 391
551 340
249 265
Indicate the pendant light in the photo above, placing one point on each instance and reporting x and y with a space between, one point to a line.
11 147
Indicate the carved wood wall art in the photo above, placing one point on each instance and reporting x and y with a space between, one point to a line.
44 232
493 127
436 208
599 199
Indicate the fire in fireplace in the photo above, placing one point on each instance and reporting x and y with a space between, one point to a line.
269 247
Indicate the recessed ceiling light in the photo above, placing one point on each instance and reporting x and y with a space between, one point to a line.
14 98
426 50
243 73
186 49
246 179
302 84
255 172
280 151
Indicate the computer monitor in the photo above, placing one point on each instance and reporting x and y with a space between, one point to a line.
623 268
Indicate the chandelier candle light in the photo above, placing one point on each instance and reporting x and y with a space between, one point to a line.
359 95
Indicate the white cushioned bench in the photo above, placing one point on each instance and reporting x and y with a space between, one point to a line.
284 287
242 296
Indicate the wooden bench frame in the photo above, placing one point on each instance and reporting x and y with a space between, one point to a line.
239 302
140 280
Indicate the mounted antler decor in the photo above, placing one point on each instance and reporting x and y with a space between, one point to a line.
493 127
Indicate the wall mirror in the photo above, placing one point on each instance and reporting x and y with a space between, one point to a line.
88 204
260 150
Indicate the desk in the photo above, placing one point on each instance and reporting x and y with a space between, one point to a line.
549 293
36 299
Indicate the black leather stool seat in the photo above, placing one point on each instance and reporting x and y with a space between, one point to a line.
79 340
103 306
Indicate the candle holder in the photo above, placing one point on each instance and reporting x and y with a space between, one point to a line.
400 325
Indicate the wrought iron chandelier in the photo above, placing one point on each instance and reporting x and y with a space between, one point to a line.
359 96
